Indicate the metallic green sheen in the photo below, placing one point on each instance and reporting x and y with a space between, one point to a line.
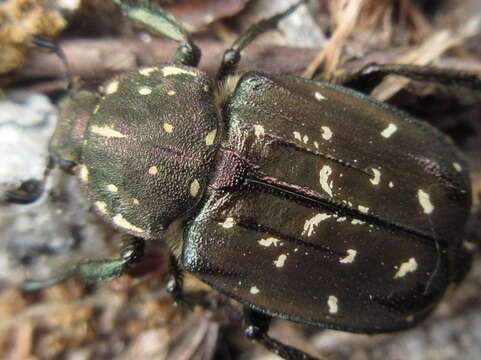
154 147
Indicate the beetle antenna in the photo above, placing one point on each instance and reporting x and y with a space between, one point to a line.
47 43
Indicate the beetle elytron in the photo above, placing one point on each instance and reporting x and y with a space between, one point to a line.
302 200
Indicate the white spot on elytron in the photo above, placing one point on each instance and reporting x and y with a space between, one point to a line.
153 170
254 290
97 107
112 188
324 174
206 88
406 267
210 138
107 131
83 174
357 222
363 209
269 241
319 96
297 135
377 177
305 139
101 206
332 303
135 201
168 128
341 219
425 201
145 90
228 223
122 222
457 167
259 130
281 260
171 92
391 184
194 188
112 87
326 132
387 132
351 255
410 318
173 70
148 71
469 245
312 223
316 144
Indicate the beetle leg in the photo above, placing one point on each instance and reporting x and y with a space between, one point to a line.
232 56
175 284
257 326
156 19
97 270
366 79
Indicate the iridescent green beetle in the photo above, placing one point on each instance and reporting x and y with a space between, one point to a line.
302 200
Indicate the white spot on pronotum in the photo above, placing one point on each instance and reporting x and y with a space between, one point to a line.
457 167
171 92
228 223
153 170
148 71
169 128
97 107
468 245
106 131
173 70
206 88
357 222
305 139
349 258
332 303
341 219
319 96
210 138
122 222
391 184
363 209
281 260
387 132
406 267
83 174
194 188
135 201
271 241
112 87
410 318
112 188
326 132
101 206
316 145
254 290
376 178
259 130
144 90
297 135
324 174
310 224
425 201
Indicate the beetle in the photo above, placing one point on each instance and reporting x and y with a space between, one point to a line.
303 200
